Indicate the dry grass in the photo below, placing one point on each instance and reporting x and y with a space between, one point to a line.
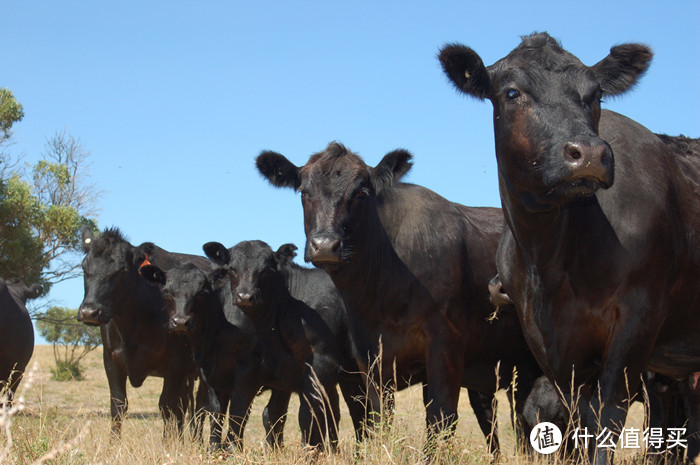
72 419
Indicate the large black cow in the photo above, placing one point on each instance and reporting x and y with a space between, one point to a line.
224 345
413 270
133 325
302 332
16 332
602 253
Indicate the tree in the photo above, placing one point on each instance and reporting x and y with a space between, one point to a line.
71 340
41 214
11 111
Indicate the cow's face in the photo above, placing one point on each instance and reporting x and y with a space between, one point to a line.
20 292
185 290
339 195
253 270
546 112
107 267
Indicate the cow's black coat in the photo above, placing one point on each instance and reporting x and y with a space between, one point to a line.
133 324
302 333
602 251
16 331
224 346
413 270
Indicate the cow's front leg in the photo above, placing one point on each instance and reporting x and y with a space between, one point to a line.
118 404
605 412
173 402
690 390
484 406
275 416
247 385
444 368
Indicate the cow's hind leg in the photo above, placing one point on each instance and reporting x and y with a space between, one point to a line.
483 404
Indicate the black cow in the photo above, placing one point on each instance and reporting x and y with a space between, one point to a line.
413 270
302 334
133 325
16 332
602 251
224 346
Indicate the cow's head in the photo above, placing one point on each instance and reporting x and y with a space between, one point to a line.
110 263
254 272
187 291
546 112
339 194
20 292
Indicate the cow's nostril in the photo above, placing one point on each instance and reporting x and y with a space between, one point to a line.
573 151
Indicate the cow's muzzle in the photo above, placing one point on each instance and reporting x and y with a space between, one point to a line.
180 324
589 162
245 298
90 315
324 248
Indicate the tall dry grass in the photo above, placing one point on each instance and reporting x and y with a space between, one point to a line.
68 423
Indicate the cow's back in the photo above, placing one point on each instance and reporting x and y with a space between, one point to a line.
445 245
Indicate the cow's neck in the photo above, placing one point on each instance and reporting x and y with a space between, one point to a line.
135 315
204 340
374 270
272 328
539 229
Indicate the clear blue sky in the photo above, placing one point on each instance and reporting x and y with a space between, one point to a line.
175 99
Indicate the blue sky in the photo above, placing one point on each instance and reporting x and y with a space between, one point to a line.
175 99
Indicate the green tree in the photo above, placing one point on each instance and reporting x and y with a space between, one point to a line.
42 212
11 111
71 340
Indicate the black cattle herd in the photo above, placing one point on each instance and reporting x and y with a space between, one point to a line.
585 284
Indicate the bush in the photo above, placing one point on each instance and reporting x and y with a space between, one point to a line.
67 371
71 340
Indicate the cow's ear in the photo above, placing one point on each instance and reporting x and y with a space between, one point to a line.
278 170
464 68
143 252
219 276
285 254
153 274
621 69
86 238
391 169
217 253
35 291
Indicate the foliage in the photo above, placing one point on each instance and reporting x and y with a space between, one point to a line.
41 214
71 340
11 111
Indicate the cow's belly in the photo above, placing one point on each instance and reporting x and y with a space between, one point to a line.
402 348
678 358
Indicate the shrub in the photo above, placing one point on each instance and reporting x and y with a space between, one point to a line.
71 340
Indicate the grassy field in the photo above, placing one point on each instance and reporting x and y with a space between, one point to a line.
70 422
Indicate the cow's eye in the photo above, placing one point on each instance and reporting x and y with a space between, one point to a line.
362 194
512 94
